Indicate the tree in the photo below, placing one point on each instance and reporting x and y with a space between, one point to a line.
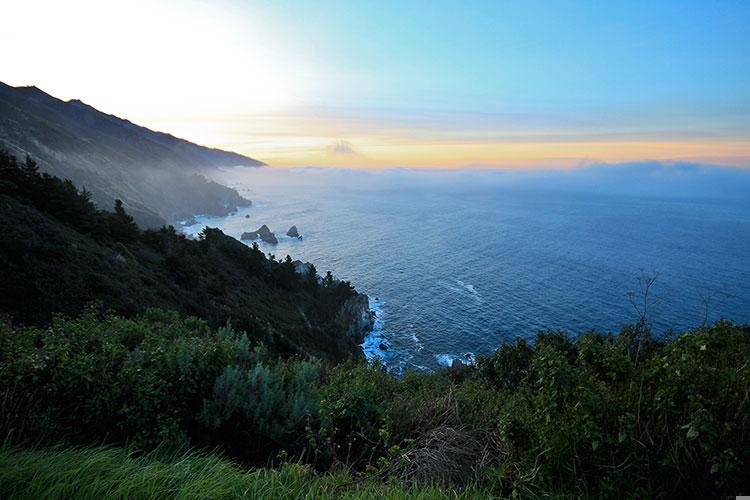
285 275
30 167
311 277
121 224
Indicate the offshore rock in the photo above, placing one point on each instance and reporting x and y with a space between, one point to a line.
266 235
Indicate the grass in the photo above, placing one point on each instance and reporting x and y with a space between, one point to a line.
97 473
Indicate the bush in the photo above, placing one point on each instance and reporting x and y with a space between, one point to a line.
352 412
598 415
263 406
115 379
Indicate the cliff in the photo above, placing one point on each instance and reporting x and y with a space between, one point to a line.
355 317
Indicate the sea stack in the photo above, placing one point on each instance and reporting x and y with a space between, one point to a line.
266 235
293 233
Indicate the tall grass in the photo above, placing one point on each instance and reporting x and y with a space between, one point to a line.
105 473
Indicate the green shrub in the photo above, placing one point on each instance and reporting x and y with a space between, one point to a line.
260 406
352 411
598 415
115 379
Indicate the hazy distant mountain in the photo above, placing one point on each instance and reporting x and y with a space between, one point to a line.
160 178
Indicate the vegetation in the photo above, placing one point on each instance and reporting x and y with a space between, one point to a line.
115 473
160 178
59 253
598 415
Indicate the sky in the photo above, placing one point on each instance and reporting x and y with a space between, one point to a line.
434 84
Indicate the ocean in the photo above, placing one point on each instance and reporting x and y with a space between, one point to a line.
455 263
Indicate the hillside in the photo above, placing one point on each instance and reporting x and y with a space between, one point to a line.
156 344
160 178
59 253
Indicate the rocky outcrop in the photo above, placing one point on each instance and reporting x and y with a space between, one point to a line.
356 318
266 235
263 233
293 232
301 267
269 238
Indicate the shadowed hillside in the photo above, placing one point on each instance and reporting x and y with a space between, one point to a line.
59 253
160 178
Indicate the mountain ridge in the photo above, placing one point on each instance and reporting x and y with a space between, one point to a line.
159 177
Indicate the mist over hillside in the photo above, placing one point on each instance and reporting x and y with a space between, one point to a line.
159 177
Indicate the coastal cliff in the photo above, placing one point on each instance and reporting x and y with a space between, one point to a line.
355 317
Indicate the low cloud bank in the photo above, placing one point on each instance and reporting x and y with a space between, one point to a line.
648 178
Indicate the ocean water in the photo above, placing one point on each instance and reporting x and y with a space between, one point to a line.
455 264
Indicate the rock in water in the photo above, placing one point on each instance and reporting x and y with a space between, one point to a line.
270 238
247 216
293 232
266 235
263 233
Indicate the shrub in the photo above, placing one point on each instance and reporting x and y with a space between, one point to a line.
352 412
598 415
261 406
115 379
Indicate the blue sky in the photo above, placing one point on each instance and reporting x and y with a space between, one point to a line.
558 54
434 79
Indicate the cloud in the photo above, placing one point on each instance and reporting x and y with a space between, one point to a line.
652 179
342 147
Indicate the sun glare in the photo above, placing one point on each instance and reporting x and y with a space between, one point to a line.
145 58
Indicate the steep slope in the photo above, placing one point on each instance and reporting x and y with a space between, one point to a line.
58 254
160 178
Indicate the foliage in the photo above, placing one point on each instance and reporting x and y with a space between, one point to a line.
262 406
116 473
581 417
591 416
353 408
59 253
158 380
600 415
